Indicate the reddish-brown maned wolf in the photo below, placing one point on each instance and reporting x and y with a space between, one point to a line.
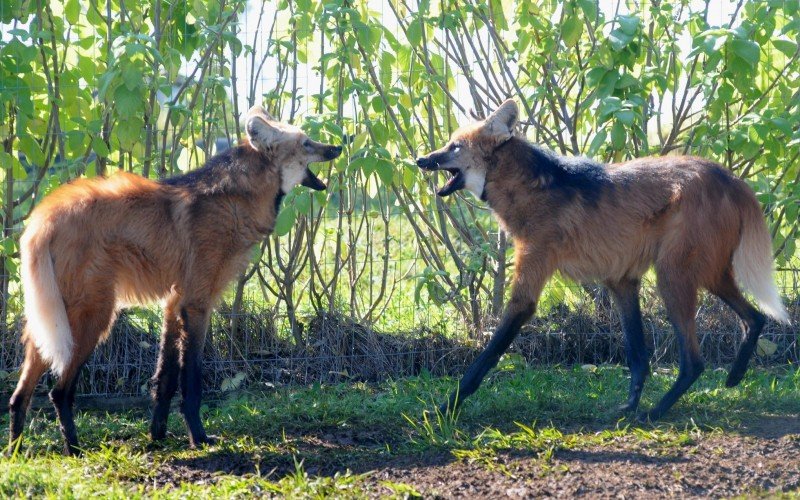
95 245
697 224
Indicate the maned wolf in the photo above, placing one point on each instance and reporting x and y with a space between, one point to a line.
697 224
96 245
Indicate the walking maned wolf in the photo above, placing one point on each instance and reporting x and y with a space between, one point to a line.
697 224
93 246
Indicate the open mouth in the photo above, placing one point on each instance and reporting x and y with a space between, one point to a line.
455 182
312 181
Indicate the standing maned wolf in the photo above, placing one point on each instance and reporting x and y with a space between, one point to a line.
93 246
697 224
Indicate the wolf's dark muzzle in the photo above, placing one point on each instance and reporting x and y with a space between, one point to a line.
427 163
332 152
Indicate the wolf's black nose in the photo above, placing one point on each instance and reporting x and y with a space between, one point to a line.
333 152
424 163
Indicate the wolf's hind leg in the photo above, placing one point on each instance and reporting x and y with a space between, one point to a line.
32 369
680 299
753 321
91 324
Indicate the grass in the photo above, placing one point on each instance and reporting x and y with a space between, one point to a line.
328 440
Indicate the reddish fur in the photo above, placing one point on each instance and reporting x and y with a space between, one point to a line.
128 240
685 216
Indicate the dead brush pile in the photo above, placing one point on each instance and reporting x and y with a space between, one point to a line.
253 347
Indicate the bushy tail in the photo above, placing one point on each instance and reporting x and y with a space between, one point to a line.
752 264
47 323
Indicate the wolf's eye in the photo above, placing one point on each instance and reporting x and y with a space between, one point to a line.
455 148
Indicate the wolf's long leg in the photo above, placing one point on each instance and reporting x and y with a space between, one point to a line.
626 299
165 380
531 274
195 321
753 321
89 324
680 298
32 369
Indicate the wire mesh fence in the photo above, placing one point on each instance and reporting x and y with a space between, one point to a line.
339 349
377 277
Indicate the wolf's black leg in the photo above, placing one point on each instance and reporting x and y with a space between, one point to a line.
516 315
753 320
626 299
166 376
195 322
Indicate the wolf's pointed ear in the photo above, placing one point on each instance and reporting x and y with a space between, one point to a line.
501 123
260 111
259 132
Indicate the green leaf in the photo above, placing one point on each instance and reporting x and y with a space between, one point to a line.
626 116
598 140
32 149
128 102
104 82
589 8
381 133
629 24
385 171
725 92
363 35
571 31
302 202
608 84
129 132
361 163
626 81
618 135
609 105
414 32
595 75
99 147
9 162
788 48
747 50
285 220
72 11
132 76
619 40
766 347
75 141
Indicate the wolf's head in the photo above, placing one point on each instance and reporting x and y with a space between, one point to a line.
466 155
289 148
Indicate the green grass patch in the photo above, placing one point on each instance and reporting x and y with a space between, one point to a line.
328 440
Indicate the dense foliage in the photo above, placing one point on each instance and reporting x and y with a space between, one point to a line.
90 86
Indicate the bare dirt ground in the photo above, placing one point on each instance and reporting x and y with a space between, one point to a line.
763 457
719 466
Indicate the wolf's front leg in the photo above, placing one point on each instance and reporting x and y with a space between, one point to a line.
195 321
515 316
165 380
531 275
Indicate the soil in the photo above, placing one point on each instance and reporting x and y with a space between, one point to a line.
761 457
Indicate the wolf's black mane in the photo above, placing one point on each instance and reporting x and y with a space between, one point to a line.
215 176
207 175
570 175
